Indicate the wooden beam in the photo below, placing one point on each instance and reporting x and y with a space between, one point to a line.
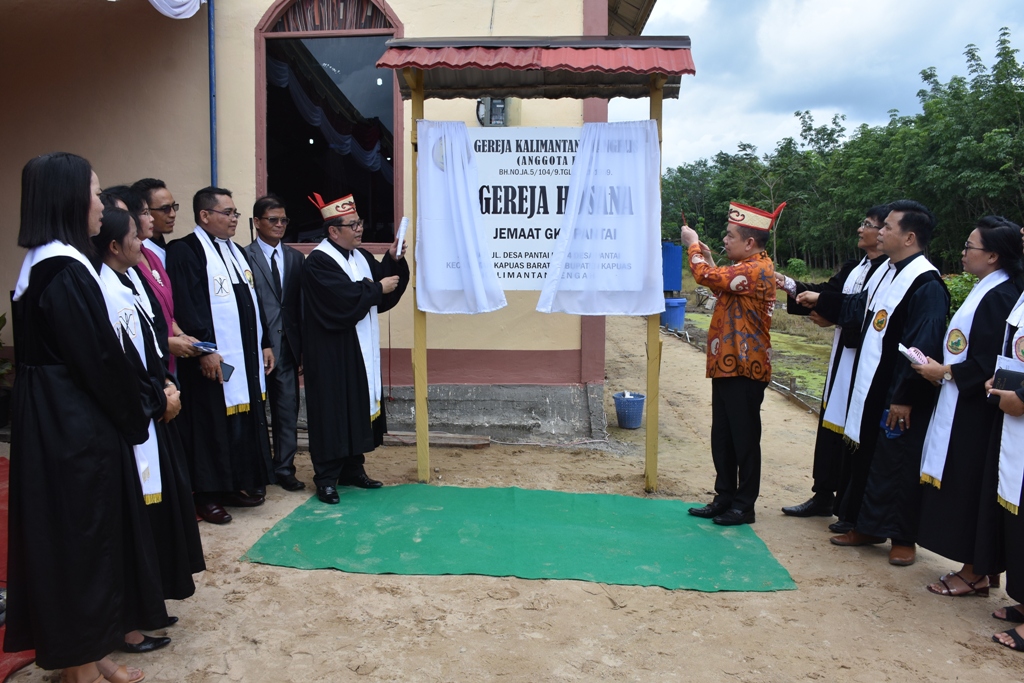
653 334
414 77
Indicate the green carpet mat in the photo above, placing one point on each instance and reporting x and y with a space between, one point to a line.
418 529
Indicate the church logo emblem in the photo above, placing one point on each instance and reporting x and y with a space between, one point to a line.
220 286
248 278
881 318
956 342
1018 348
128 321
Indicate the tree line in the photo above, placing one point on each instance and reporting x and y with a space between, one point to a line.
962 156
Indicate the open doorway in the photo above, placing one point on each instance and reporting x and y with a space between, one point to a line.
330 129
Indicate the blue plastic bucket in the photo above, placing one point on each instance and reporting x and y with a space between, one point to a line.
629 411
674 317
671 267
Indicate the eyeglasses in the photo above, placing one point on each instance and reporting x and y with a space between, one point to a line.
357 225
869 224
277 220
968 247
230 213
166 208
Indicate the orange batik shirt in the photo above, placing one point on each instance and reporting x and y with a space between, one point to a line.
739 340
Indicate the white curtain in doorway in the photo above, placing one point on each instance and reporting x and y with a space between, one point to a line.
454 271
177 9
607 257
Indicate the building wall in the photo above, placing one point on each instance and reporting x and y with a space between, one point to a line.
128 89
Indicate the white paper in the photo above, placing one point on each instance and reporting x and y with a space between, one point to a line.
402 227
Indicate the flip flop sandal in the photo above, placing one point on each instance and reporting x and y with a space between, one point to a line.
1018 642
1013 615
126 674
953 592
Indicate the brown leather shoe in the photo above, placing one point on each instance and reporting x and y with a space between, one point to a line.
902 555
855 538
213 513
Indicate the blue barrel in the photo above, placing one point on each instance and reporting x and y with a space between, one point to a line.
629 411
674 317
671 267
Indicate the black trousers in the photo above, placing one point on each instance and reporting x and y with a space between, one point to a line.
283 397
736 440
828 459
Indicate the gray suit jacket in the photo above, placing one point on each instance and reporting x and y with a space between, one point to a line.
283 315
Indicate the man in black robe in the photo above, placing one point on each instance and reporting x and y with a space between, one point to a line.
344 288
825 306
890 504
226 444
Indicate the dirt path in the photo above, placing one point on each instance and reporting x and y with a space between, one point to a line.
854 617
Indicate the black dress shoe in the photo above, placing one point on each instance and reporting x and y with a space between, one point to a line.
812 508
258 492
148 644
239 499
840 527
327 494
734 517
360 480
213 513
171 621
710 510
289 483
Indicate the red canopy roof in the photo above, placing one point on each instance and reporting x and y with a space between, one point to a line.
575 66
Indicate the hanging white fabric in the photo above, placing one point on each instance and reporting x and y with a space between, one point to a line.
280 74
454 273
177 9
607 259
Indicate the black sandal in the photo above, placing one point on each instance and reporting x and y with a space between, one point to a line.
953 593
1018 642
1013 615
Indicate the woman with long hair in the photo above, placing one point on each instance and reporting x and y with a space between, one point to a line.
74 573
952 465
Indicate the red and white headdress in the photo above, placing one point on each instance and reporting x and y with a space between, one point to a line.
346 206
750 217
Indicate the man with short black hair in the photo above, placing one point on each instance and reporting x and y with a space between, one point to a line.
739 357
277 270
164 211
825 304
891 404
223 422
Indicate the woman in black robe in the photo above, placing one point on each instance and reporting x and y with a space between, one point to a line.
949 514
77 568
170 519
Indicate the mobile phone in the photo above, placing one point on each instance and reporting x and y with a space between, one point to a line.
226 370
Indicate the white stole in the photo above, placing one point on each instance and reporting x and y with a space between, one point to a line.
1011 455
54 249
224 310
936 442
881 303
134 325
837 383
160 252
367 329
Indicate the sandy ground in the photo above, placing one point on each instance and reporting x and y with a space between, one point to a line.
854 617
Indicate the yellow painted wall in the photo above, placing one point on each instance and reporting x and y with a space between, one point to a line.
128 89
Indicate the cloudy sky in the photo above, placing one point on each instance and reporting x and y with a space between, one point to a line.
758 61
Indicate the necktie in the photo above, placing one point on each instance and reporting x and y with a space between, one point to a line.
275 273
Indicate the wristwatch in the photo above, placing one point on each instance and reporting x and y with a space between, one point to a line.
948 375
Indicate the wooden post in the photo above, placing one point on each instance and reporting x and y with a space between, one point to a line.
414 77
653 331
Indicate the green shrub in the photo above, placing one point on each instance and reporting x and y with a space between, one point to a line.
796 268
959 287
